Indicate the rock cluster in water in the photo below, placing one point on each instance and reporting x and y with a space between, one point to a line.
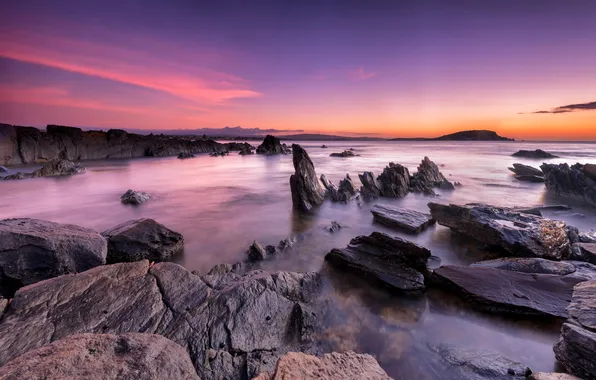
576 181
538 153
56 168
272 145
345 153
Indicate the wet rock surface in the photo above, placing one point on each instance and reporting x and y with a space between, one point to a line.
388 261
410 221
306 189
538 153
429 177
370 188
515 233
33 250
104 356
227 332
576 181
345 366
132 197
142 239
509 292
394 182
272 145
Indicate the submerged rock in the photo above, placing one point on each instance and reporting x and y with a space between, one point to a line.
237 331
184 155
333 227
134 197
142 239
401 218
576 181
345 153
104 357
505 291
429 177
517 234
394 181
370 188
33 250
307 191
388 261
272 145
538 153
526 170
345 366
576 348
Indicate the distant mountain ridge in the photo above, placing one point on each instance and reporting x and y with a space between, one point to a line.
220 132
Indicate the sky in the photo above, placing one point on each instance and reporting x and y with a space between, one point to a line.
526 69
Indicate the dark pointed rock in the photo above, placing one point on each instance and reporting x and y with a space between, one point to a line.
256 252
429 177
394 181
538 153
134 197
410 221
575 181
272 145
307 191
388 261
346 189
370 186
521 169
332 191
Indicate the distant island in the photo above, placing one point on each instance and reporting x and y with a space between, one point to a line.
472 135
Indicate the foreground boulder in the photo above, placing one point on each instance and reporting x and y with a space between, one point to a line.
410 221
33 250
576 181
428 177
307 191
538 153
345 366
142 239
504 291
394 182
235 331
136 198
576 348
388 261
515 233
104 357
272 145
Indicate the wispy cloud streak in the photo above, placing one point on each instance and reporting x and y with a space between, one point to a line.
570 108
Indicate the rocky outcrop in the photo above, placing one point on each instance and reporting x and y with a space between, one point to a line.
33 250
394 182
345 153
307 191
256 252
429 177
538 153
584 252
576 348
370 188
104 357
246 150
504 291
410 221
389 261
345 366
136 198
521 169
28 145
219 154
237 330
54 168
515 233
576 181
331 191
184 155
142 239
573 269
272 145
346 189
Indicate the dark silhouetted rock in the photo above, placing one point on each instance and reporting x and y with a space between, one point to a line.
142 239
584 252
394 182
574 181
504 291
473 135
428 177
272 145
346 189
370 186
526 170
307 191
401 218
246 150
388 261
33 250
104 357
332 191
538 153
537 210
345 153
132 197
323 146
183 155
219 154
256 252
517 234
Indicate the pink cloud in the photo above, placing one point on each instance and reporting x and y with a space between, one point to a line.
361 74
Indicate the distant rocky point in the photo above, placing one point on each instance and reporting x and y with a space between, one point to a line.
473 135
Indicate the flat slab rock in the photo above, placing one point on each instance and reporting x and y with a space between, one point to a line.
573 269
142 239
235 331
388 261
103 357
401 218
344 366
33 250
503 291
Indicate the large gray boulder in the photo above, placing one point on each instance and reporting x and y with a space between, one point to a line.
576 181
33 250
576 348
272 145
344 366
394 182
509 292
391 262
142 239
236 330
104 357
307 191
428 177
410 221
515 233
